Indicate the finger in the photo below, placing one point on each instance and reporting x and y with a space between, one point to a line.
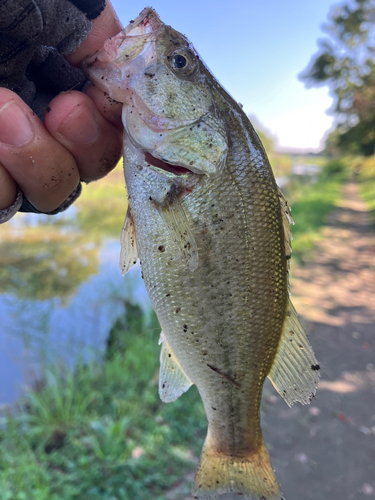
95 144
45 171
109 109
8 189
103 27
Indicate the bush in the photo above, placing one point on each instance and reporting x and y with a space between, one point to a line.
333 167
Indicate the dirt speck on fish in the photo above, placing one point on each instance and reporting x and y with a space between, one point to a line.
212 231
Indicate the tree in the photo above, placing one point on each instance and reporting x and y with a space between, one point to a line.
346 63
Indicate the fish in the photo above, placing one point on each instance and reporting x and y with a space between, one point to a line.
212 232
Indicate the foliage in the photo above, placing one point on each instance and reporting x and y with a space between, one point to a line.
333 167
281 164
118 335
102 433
102 206
41 263
346 63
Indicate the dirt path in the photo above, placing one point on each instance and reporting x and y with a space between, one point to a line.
326 450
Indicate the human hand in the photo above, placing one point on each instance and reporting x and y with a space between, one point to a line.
80 137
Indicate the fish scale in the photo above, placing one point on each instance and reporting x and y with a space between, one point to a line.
211 230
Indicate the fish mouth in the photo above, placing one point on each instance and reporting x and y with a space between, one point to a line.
109 67
146 22
168 168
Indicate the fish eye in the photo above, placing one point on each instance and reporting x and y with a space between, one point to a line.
183 62
179 61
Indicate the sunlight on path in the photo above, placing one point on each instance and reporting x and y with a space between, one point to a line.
342 273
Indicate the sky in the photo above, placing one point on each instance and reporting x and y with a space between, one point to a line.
256 50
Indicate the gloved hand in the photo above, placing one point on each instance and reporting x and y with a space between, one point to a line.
80 137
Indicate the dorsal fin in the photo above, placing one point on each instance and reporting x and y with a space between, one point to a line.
129 251
172 379
295 371
287 221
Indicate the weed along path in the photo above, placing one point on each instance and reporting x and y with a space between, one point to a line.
326 450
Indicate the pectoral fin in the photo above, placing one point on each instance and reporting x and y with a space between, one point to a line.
178 227
172 379
295 371
129 252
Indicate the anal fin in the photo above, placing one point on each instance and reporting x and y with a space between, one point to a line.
172 379
129 251
295 371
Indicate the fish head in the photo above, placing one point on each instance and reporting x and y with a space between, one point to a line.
168 110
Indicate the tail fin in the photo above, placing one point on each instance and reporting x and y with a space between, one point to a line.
250 477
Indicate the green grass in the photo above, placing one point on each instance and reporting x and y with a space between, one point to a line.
311 204
366 178
368 195
102 433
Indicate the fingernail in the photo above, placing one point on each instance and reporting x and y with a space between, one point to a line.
80 126
15 127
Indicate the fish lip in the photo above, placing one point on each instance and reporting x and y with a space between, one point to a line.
157 163
167 169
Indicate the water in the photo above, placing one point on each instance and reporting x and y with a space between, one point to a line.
48 314
305 171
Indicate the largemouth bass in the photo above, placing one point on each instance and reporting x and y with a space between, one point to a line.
212 232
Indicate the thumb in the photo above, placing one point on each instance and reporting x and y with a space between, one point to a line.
103 27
